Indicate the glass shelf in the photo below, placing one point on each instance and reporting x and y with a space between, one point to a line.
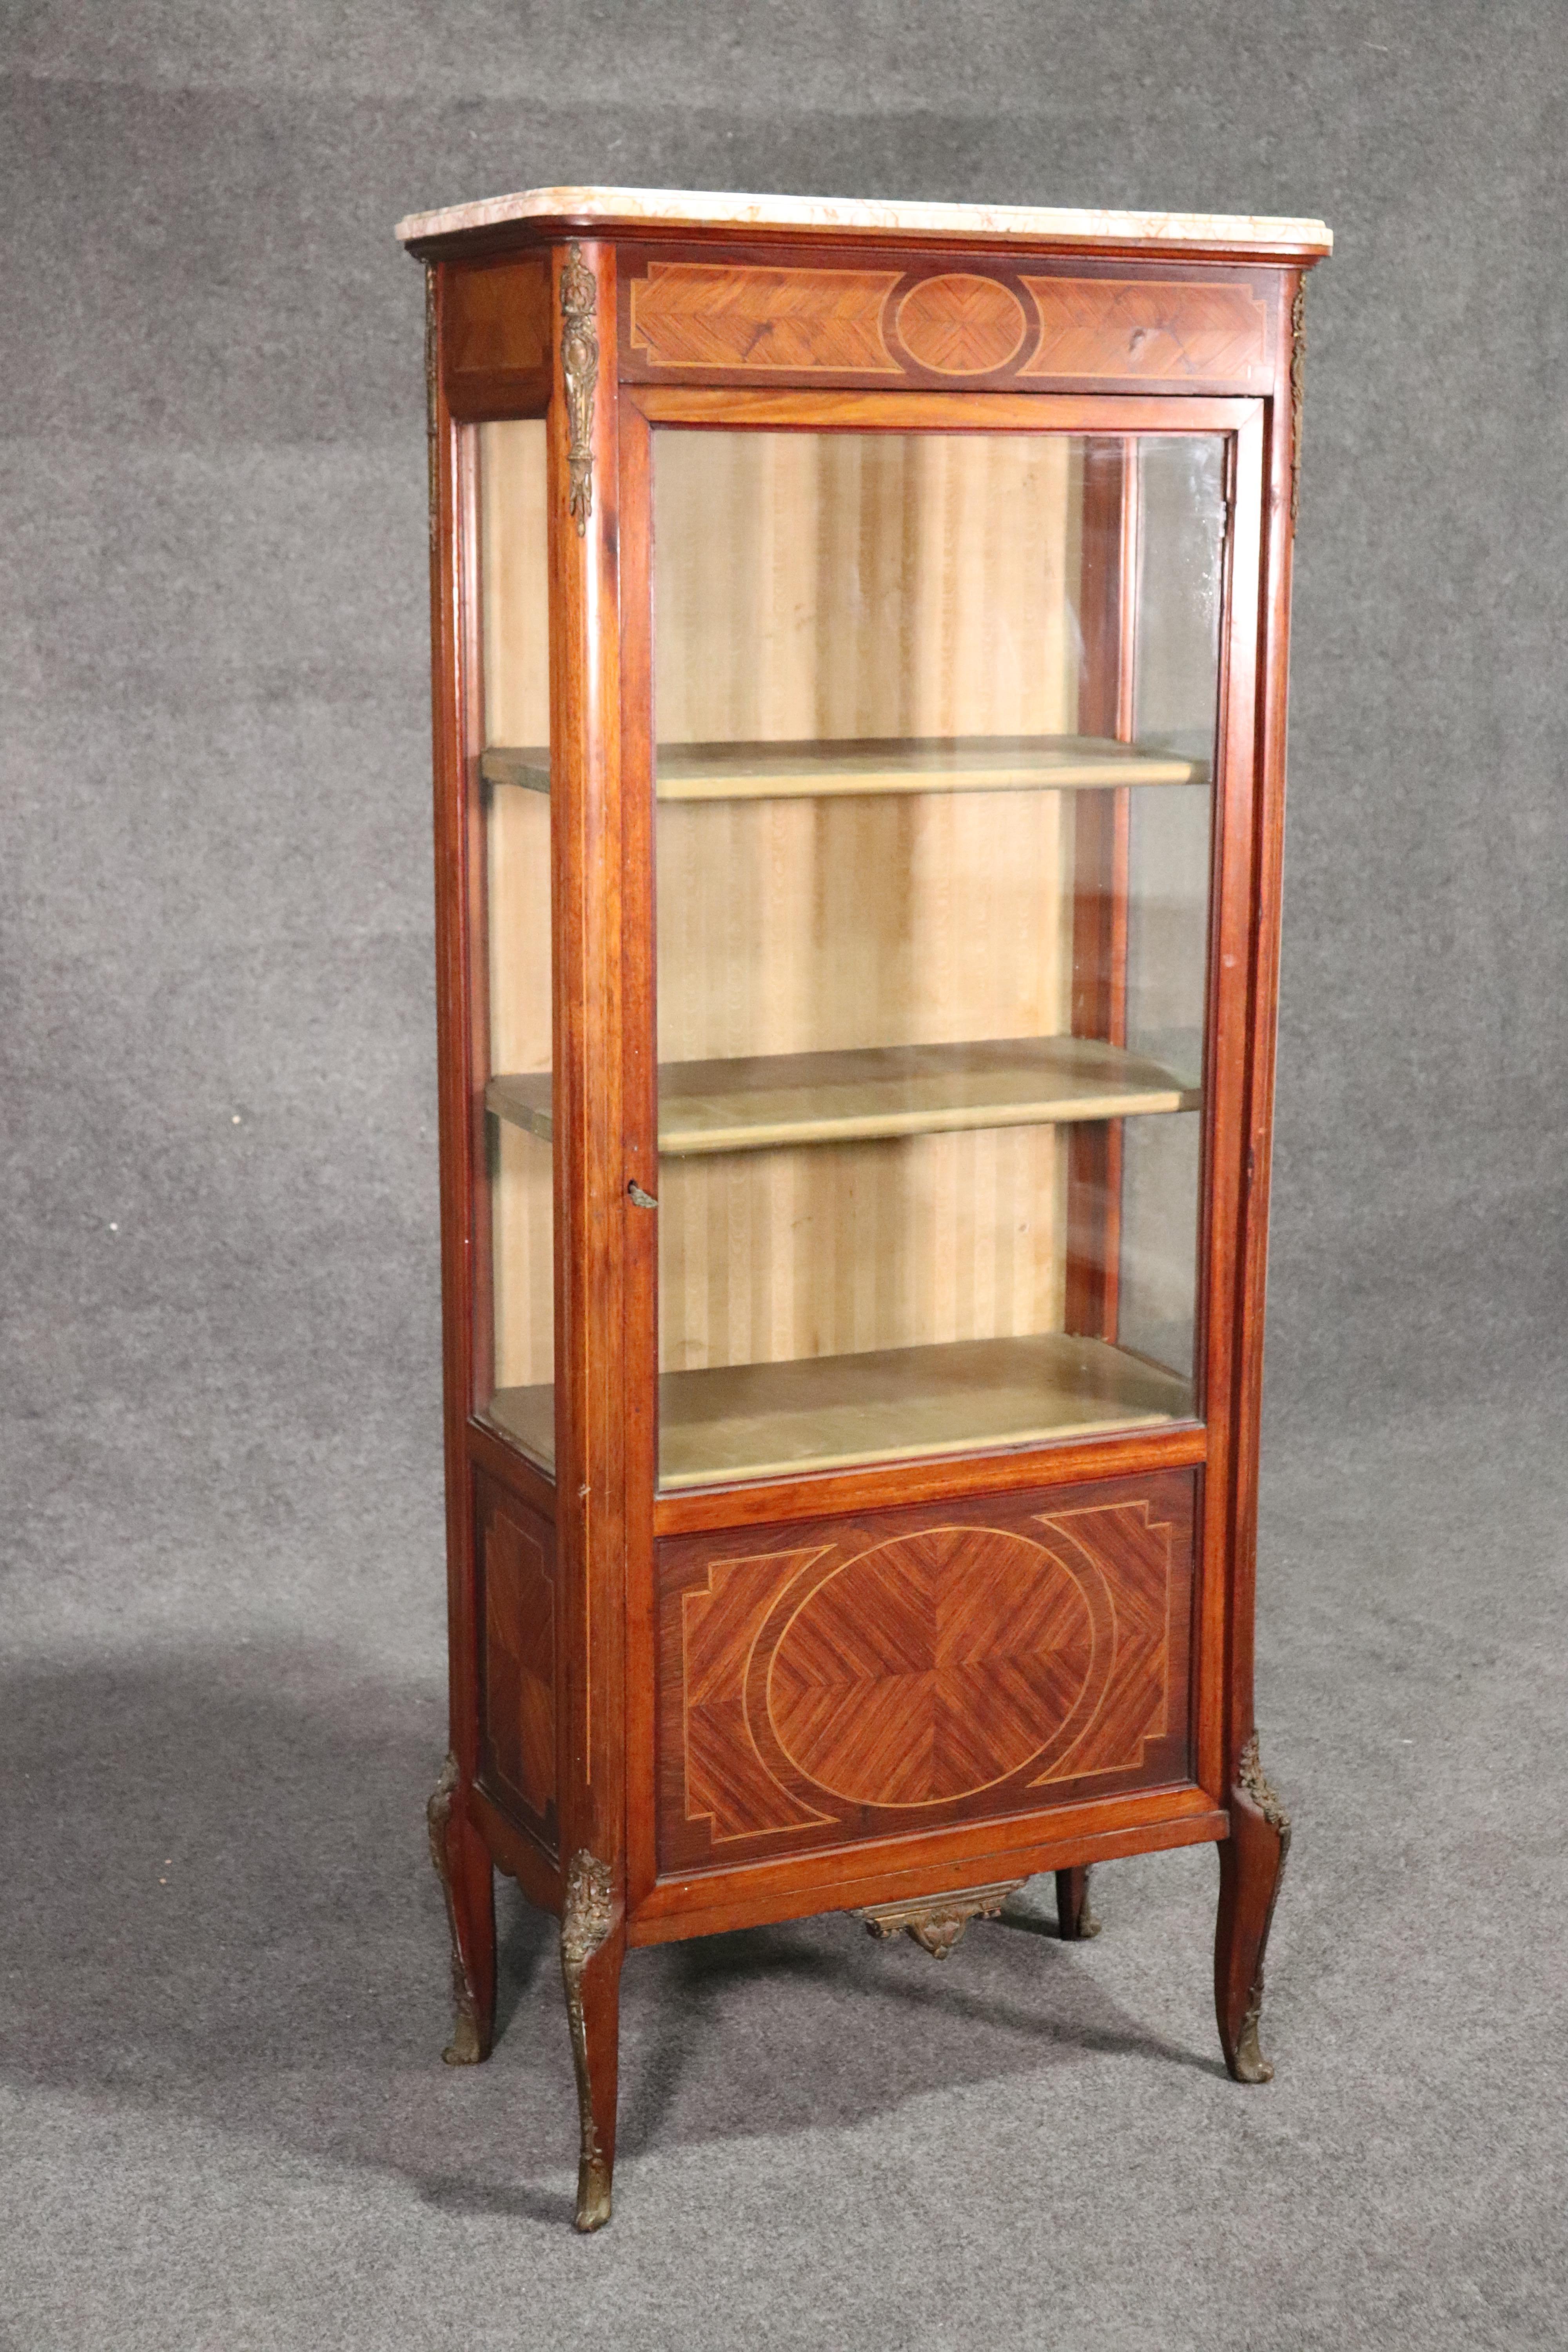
926 763
755 1101
825 1413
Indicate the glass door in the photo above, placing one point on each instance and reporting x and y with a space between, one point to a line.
935 720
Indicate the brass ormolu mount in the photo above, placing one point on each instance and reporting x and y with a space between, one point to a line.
936 1922
587 1918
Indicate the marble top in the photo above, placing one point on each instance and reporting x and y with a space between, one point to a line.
611 208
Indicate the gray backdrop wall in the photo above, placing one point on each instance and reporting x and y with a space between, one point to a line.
221 1402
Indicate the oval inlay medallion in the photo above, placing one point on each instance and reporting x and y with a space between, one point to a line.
961 325
931 1666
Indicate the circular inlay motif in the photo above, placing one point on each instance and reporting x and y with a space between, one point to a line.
931 1666
961 325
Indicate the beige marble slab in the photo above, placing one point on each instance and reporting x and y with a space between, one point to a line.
610 208
897 1405
753 1102
958 763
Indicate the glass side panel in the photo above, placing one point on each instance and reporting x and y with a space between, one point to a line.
1181 526
516 1383
924 962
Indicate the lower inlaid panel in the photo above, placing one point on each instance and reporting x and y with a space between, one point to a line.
515 1606
842 1679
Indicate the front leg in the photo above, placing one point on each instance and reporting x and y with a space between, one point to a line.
1251 1865
463 1864
593 1945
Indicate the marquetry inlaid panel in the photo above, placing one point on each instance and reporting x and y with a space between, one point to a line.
515 1606
1138 327
963 324
849 323
701 314
845 1679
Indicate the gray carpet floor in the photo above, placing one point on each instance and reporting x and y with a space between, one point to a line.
228 2125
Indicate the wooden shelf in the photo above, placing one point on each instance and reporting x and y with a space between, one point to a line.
935 763
758 1100
898 1404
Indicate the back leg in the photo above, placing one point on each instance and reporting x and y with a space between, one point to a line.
463 1864
1075 1920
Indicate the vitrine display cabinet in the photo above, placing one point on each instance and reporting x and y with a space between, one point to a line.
859 721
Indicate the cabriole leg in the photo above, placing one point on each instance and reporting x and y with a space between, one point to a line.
1075 1920
593 1945
1251 1865
463 1864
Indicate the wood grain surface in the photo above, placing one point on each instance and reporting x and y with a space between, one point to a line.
496 340
1140 327
962 323
517 1589
699 314
920 1667
692 317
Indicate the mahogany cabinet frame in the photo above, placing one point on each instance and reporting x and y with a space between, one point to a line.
494 353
